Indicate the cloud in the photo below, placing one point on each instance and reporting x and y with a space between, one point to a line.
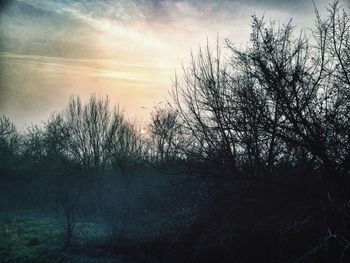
84 67
129 49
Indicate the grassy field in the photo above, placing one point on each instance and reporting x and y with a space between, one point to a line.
135 223
39 239
28 240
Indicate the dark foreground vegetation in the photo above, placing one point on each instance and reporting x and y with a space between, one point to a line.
249 162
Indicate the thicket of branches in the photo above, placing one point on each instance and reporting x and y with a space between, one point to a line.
283 98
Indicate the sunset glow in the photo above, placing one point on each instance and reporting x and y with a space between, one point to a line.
128 50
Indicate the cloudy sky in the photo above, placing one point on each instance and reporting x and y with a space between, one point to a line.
129 50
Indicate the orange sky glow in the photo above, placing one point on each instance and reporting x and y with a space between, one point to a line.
128 50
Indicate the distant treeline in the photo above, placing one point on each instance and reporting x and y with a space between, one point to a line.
269 123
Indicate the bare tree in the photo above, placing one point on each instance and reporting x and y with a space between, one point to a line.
166 135
301 89
10 144
92 132
127 150
67 173
205 110
9 137
279 104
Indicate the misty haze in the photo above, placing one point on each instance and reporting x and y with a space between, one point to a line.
174 131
